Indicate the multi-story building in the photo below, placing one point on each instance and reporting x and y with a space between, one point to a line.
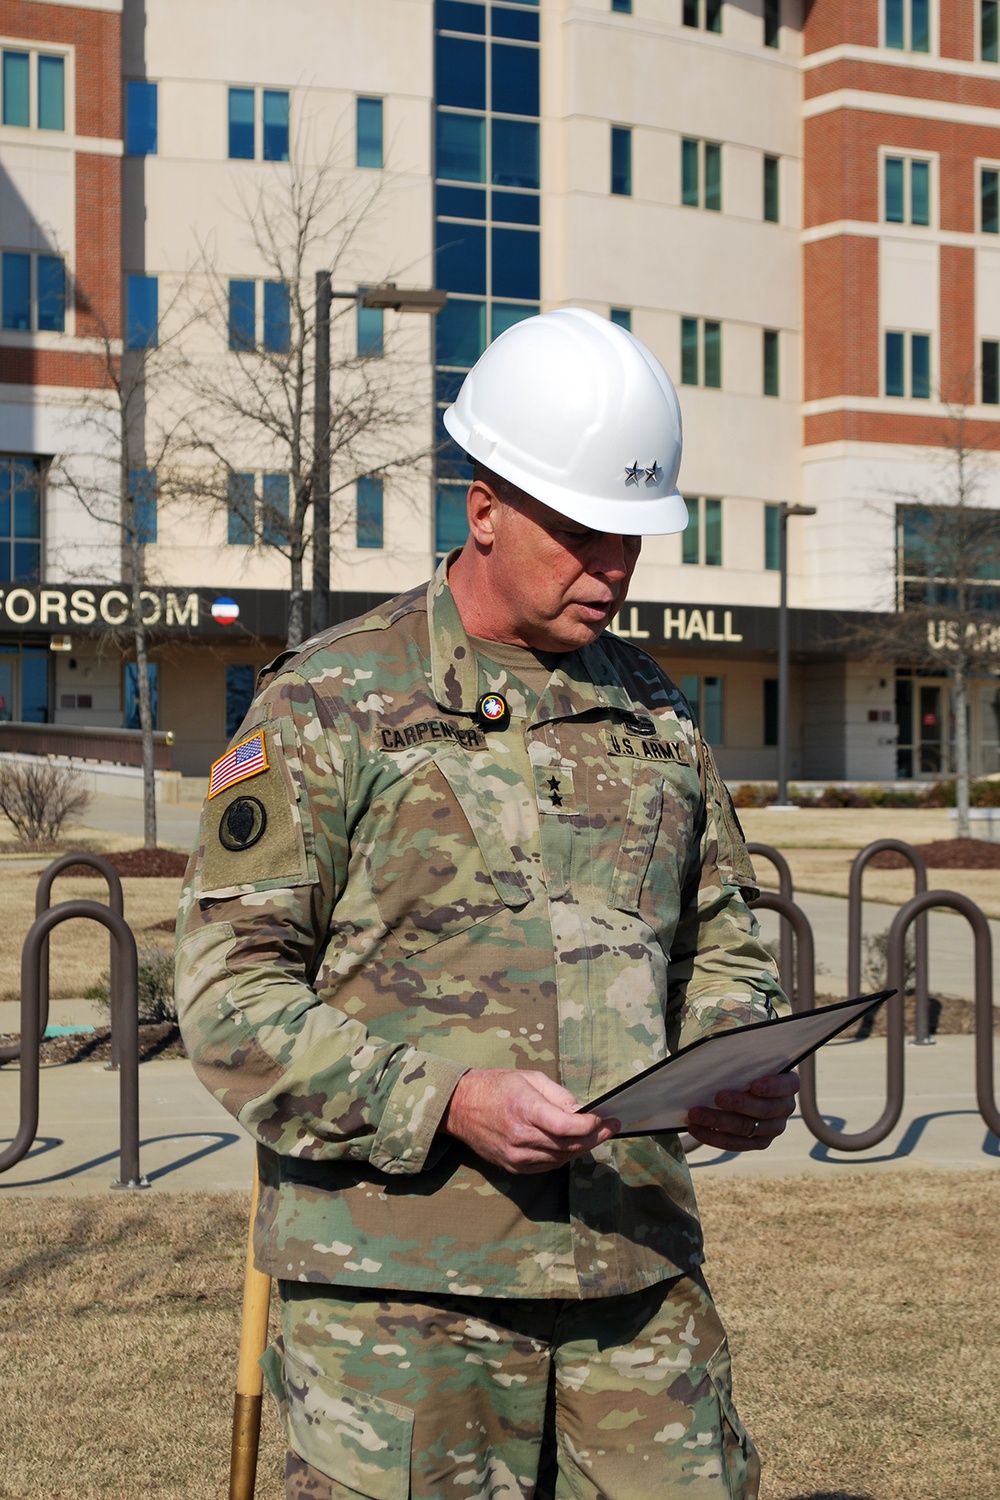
797 206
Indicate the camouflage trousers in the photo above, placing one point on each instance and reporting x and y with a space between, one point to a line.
392 1396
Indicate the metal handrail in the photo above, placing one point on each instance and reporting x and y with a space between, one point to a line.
916 860
126 980
786 890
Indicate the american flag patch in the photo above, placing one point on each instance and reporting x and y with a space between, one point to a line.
247 759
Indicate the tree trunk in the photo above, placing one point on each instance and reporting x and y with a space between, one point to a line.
296 604
146 728
960 709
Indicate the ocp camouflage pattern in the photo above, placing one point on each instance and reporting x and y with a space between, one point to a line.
425 897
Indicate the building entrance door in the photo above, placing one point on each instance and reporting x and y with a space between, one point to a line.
923 709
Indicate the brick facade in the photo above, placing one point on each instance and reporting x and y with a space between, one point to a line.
840 323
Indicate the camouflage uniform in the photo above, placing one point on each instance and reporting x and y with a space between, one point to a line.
391 895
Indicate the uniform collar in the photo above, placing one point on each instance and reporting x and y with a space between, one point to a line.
583 680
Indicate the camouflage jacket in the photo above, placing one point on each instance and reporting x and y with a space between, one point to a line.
385 896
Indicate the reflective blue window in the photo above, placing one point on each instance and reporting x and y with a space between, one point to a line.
274 492
515 263
920 192
894 31
522 24
34 684
143 491
277 317
242 144
772 538
371 332
20 521
621 160
624 6
713 354
920 26
275 125
460 333
451 15
689 351
504 315
894 167
989 200
242 315
240 506
451 522
623 317
920 356
515 153
51 93
15 290
462 203
895 380
460 263
514 79
15 89
142 311
369 132
27 503
140 118
461 147
447 384
516 208
132 693
369 512
460 72
240 680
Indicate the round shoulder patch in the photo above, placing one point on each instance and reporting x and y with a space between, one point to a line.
243 823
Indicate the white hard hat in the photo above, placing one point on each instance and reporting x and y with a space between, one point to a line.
581 416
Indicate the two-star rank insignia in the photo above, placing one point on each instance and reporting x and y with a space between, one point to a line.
554 785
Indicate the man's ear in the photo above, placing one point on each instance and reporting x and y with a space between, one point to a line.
482 507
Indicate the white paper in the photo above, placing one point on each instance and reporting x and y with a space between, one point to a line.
659 1099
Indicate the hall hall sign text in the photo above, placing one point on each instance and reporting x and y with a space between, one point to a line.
680 624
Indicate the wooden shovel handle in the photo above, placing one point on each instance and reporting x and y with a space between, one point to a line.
249 1376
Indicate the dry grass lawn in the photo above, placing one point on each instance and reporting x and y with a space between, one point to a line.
864 1313
826 872
845 827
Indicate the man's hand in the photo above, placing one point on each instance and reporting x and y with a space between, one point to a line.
747 1121
522 1122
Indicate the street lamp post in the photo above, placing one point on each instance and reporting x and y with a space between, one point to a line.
386 295
784 510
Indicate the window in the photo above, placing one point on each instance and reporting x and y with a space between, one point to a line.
989 200
770 710
705 14
369 133
771 369
907 25
370 512
623 317
451 522
20 520
240 682
140 118
989 41
701 174
907 190
32 292
991 372
772 538
701 352
240 510
132 693
141 312
701 542
257 508
624 6
772 204
274 512
621 161
244 335
242 315
704 694
43 106
937 549
243 124
371 332
142 489
908 365
277 318
772 23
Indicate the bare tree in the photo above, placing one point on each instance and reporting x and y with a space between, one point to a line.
254 400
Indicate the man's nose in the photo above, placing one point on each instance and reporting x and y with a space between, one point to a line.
611 556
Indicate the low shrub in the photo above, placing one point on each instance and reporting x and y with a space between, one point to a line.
156 986
38 799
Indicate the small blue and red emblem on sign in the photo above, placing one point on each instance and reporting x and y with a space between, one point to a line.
244 760
492 711
225 611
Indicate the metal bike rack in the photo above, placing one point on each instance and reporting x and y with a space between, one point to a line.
922 1036
780 863
125 985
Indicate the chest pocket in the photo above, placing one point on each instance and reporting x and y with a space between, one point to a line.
657 836
441 861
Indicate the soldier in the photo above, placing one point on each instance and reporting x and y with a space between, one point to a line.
467 865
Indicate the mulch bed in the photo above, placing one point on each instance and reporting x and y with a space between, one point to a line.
162 1040
944 854
151 863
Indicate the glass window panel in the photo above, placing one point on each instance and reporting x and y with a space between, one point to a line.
34 683
51 93
15 290
15 89
690 12
140 117
515 153
690 687
771 372
27 503
920 192
772 23
515 265
623 317
241 125
690 191
240 680
772 207
369 133
989 35
772 538
275 125
711 709
460 333
522 24
460 72
516 208
713 176
713 533
452 16
240 510
514 79
504 315
991 372
462 203
621 160
691 539
990 201
132 693
242 315
895 35
713 15
451 523
689 351
920 357
713 355
894 208
27 559
274 494
447 385
461 147
460 257
370 512
920 25
624 6
770 710
7 469
277 317
371 332
142 487
894 375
